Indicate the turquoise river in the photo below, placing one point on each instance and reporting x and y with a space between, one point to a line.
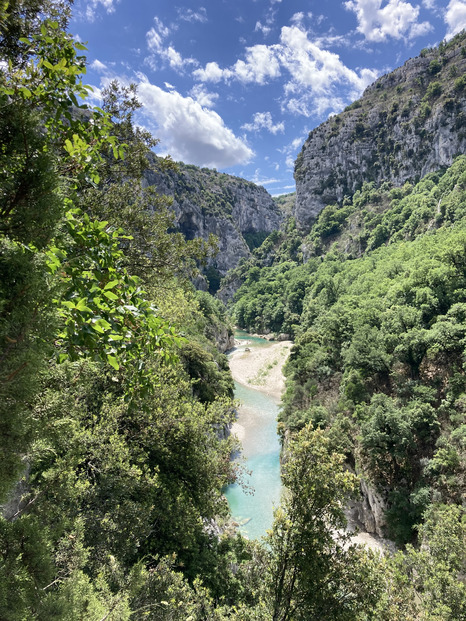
252 503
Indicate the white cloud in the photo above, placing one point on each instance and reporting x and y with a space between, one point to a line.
395 19
166 52
419 30
290 151
95 96
188 15
263 120
203 97
211 73
297 18
315 74
190 132
260 180
455 17
260 64
98 66
266 30
108 5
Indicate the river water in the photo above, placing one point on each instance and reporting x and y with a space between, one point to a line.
252 504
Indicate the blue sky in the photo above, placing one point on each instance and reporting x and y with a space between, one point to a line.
237 85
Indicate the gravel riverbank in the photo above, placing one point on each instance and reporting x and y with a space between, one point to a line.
260 368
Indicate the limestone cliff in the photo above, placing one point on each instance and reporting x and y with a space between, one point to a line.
408 123
239 213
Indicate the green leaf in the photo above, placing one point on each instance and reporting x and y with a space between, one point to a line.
111 284
110 295
69 304
115 337
101 325
113 362
81 305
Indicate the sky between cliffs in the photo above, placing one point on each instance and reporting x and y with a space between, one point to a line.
237 85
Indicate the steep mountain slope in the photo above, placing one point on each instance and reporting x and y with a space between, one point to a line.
373 295
239 213
407 124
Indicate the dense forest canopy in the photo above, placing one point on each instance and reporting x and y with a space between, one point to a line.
114 398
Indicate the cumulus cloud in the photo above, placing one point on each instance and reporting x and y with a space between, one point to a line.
316 75
263 120
156 43
395 19
455 17
211 73
190 132
203 97
260 65
311 66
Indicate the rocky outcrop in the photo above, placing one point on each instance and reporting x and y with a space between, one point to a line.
222 336
15 502
206 202
368 512
407 124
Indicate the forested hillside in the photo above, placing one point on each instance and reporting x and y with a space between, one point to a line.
374 297
115 401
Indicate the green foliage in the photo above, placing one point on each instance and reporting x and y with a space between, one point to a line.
122 463
254 239
103 309
433 90
119 460
460 83
426 583
213 277
378 339
435 66
314 574
51 82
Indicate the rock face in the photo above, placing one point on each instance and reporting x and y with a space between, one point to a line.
223 338
206 202
368 513
407 124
